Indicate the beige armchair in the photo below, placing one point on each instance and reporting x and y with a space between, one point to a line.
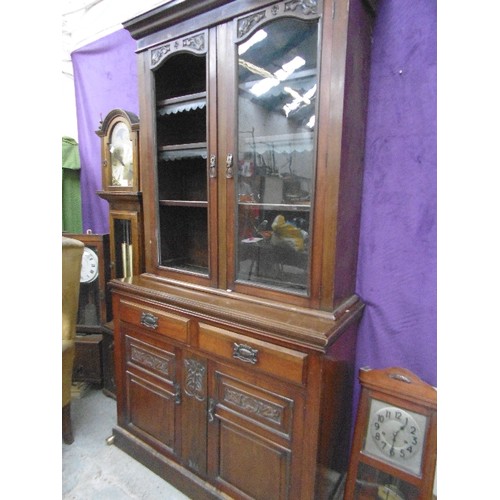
72 251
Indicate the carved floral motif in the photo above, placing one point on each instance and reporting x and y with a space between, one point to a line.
158 54
247 23
258 407
307 6
195 43
194 382
149 360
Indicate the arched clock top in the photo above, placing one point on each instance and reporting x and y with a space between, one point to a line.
118 115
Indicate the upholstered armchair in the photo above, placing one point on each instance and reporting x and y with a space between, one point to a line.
72 251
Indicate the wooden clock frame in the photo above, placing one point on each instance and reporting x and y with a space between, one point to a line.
125 202
400 388
128 122
98 288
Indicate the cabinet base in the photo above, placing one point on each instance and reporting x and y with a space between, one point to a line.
176 475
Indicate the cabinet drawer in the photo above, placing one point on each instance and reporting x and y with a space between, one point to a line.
170 325
269 358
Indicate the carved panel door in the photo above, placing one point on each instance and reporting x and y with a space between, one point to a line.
252 434
151 390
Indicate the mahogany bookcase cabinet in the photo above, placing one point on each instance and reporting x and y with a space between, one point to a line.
234 350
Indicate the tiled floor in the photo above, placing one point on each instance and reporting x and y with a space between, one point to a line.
94 470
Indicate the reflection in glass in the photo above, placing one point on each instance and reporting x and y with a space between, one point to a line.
277 88
121 156
375 484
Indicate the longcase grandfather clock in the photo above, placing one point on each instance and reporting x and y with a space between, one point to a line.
234 350
119 133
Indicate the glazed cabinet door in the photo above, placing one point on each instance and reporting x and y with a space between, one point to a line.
151 395
274 87
181 155
253 425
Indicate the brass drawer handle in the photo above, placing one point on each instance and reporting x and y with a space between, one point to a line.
149 320
245 353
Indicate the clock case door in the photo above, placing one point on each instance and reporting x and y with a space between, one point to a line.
400 388
94 307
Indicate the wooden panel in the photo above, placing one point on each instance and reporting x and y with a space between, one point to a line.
267 409
158 362
151 411
252 465
87 366
269 358
161 322
194 412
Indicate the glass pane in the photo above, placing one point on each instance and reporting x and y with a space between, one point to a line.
277 88
375 484
122 168
181 133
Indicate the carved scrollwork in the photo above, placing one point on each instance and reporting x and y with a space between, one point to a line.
250 404
247 23
158 54
307 7
300 8
149 360
194 380
193 43
196 42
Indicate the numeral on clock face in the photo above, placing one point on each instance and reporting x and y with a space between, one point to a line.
395 432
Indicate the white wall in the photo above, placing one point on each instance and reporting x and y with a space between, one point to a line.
84 21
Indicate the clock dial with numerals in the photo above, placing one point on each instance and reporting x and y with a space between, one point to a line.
90 266
395 432
94 304
393 454
395 435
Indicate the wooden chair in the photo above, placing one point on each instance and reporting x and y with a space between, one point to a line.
72 251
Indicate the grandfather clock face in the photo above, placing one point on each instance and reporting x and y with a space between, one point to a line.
122 156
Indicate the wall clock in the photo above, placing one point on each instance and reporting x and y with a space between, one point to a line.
393 454
94 308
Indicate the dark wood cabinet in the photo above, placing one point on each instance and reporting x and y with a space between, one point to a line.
87 366
244 413
234 350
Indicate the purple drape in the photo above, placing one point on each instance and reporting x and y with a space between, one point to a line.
105 79
397 258
397 252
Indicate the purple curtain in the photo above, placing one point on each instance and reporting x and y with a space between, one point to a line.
397 251
397 258
105 79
